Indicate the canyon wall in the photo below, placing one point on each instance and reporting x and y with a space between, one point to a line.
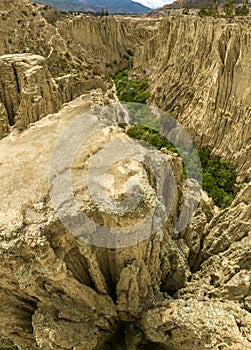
111 41
199 70
76 55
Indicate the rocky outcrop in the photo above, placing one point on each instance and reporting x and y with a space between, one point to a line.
180 291
174 290
28 92
26 89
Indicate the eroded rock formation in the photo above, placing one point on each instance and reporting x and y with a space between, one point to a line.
188 290
76 55
200 70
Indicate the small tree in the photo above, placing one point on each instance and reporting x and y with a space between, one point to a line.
229 8
104 13
215 7
203 10
210 10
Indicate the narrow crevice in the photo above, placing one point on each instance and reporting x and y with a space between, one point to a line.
16 78
78 265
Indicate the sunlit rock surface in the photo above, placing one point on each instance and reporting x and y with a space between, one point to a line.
188 290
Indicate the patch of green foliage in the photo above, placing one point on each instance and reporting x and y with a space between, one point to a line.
130 90
207 10
231 8
150 136
218 176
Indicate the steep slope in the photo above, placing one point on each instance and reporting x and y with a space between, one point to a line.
112 6
200 70
67 66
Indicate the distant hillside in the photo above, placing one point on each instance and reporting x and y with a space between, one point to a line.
112 6
197 3
193 4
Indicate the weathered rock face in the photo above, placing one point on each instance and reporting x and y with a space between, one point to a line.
69 66
200 70
111 41
26 89
188 290
180 291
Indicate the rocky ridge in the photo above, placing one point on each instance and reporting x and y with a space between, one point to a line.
193 6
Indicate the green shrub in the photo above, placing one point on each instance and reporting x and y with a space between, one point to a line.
130 90
242 10
150 136
219 178
206 10
229 8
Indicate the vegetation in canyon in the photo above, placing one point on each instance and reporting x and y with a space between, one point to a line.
218 176
129 90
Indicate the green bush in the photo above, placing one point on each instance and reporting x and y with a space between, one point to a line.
242 10
130 90
209 10
150 136
219 178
